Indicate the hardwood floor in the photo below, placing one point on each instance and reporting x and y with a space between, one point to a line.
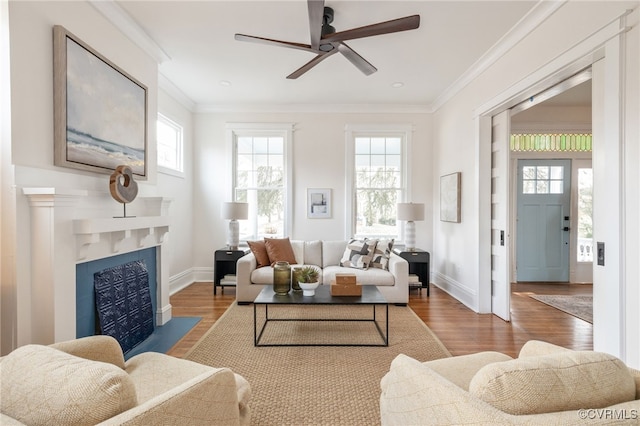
460 329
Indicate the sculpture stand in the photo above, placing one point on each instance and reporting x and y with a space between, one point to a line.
124 212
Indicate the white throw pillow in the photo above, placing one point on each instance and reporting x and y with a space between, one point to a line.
358 253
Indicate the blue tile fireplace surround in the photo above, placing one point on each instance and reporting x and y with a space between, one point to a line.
87 316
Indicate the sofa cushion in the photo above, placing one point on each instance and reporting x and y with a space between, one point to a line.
381 254
45 386
557 382
279 250
358 253
332 252
372 276
313 253
259 250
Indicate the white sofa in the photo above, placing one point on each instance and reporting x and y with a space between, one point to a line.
326 255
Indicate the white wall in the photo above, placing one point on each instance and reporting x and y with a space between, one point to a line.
318 162
180 190
456 246
31 65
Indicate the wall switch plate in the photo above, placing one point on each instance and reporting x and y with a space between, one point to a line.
600 252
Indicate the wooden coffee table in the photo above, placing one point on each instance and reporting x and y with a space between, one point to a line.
371 296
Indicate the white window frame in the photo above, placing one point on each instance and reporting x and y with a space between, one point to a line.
352 131
179 169
284 130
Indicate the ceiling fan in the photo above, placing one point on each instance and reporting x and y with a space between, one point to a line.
325 41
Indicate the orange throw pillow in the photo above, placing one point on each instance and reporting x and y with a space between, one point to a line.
280 250
259 250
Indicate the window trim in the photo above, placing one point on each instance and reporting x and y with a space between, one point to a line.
285 130
351 132
180 148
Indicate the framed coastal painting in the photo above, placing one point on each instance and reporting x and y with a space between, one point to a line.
100 111
450 197
318 203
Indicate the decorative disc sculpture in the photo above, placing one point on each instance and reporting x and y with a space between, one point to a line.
122 186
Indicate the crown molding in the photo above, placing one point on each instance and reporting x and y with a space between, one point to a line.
316 108
129 27
172 90
536 16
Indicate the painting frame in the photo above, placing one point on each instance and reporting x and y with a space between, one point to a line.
450 188
100 111
318 203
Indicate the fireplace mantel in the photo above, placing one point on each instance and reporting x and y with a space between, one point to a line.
71 226
116 230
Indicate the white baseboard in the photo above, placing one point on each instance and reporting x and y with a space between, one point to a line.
457 290
184 279
163 315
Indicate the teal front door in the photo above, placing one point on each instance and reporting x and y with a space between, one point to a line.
543 216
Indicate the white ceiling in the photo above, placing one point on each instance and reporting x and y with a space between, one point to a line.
431 62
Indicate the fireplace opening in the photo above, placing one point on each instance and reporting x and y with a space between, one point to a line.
117 296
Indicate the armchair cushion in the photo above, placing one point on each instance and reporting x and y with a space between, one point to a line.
43 386
280 250
562 381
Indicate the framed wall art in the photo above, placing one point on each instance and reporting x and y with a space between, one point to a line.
450 197
318 203
100 111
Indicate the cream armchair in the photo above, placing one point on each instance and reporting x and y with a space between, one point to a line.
87 381
545 385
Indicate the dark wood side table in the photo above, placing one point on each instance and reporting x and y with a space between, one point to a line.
224 267
418 265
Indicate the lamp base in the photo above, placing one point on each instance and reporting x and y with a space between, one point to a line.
234 235
410 235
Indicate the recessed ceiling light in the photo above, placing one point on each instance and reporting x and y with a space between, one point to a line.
225 83
397 84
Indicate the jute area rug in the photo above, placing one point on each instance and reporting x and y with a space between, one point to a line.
314 385
577 305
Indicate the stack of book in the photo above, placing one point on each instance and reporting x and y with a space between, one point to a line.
414 281
229 279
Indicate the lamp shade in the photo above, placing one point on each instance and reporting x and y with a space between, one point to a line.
410 211
235 211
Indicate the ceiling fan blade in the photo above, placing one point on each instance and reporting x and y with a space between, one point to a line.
262 40
356 59
395 25
316 12
312 63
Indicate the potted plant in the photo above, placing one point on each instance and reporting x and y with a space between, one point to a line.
308 280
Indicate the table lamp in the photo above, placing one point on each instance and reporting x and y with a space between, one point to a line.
234 211
410 212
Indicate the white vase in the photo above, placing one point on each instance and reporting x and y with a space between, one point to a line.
309 289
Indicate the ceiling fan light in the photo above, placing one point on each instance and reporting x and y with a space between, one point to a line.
327 47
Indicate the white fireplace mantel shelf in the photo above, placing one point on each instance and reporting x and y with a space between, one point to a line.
118 229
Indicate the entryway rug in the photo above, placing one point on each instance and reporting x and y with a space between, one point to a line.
314 385
579 306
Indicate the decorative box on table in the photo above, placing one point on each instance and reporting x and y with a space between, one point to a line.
345 285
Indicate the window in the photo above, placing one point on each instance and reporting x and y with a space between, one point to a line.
169 145
260 178
542 179
545 142
378 180
585 215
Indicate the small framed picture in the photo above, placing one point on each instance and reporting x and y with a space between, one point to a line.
318 203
